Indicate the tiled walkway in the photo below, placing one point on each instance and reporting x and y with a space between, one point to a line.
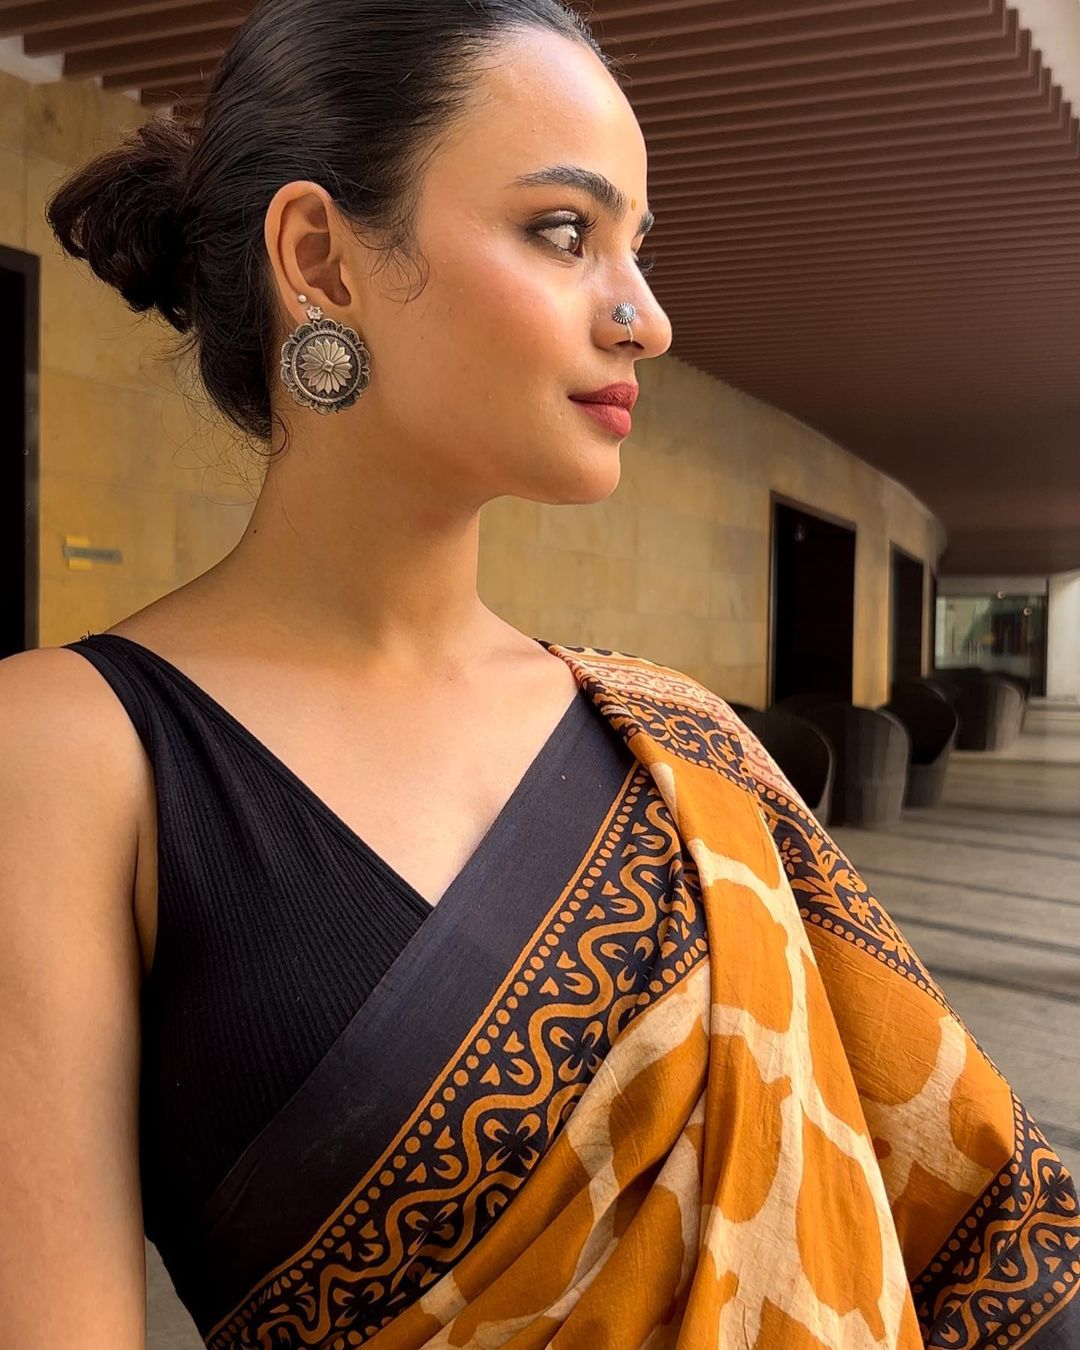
987 890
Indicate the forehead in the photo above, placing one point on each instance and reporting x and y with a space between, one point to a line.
544 99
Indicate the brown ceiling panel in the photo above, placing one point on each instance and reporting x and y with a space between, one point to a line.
868 214
148 53
39 16
89 34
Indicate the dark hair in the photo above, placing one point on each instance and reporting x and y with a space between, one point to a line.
352 94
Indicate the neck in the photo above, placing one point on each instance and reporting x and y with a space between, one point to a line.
363 563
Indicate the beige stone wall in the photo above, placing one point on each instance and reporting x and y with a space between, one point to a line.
674 566
126 461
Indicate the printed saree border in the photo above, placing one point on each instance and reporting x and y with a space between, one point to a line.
970 1292
579 981
629 972
289 1176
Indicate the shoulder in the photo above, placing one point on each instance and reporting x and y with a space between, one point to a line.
69 1003
680 709
671 693
647 678
62 729
61 693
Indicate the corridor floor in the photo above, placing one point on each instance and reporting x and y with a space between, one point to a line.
987 890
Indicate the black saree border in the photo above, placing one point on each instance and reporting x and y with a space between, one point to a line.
300 1168
626 927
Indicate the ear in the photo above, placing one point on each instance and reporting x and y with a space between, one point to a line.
303 241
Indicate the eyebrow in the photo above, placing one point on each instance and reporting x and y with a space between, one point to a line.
602 190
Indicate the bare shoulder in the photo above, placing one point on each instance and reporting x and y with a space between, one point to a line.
69 750
69 1007
57 710
57 674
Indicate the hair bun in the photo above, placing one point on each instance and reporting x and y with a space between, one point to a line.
121 213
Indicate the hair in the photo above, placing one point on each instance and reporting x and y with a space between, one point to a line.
355 95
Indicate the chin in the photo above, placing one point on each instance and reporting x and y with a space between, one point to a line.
595 479
570 471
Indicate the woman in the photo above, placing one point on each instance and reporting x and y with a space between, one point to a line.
490 991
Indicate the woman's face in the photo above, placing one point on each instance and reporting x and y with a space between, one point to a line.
470 380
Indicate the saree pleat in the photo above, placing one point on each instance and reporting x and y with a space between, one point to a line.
713 1100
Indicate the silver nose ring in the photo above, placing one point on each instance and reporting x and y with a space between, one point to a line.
624 312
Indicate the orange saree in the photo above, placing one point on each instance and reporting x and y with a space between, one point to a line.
714 1101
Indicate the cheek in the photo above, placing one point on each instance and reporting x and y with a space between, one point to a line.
495 331
506 301
521 318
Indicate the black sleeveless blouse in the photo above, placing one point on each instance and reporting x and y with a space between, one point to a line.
275 919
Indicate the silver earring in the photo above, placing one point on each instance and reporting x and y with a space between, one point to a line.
624 312
324 365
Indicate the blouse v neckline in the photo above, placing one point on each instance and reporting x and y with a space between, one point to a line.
547 756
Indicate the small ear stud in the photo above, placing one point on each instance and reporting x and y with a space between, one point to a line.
302 299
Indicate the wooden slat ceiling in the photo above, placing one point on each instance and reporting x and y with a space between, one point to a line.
866 215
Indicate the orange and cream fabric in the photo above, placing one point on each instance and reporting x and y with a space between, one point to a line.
713 1099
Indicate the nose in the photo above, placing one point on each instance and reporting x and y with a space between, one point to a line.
650 325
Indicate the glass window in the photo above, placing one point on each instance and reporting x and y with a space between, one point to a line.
1002 633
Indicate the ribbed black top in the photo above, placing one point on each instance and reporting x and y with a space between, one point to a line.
275 921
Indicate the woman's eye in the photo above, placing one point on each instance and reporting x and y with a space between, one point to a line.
565 225
645 261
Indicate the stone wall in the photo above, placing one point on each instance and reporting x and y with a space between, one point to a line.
126 461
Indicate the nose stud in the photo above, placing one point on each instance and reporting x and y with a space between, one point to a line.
624 312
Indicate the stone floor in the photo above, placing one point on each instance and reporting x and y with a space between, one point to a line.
986 888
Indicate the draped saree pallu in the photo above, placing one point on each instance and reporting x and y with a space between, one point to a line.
706 1096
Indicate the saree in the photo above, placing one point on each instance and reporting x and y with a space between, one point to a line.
706 1096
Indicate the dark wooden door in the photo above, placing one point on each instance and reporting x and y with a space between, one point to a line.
813 625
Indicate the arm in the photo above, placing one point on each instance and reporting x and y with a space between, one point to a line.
71 1237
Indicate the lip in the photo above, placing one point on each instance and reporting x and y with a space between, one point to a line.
621 395
610 416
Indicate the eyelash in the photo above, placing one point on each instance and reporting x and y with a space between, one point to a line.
586 223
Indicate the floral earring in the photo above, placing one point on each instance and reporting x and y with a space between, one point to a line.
324 365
